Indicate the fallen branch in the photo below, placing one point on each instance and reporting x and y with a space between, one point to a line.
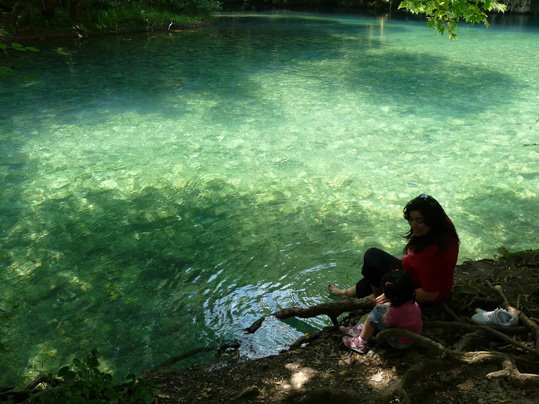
331 309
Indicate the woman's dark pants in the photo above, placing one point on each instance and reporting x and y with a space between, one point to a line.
376 263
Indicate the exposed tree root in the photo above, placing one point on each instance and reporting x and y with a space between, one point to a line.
511 373
330 309
441 358
445 359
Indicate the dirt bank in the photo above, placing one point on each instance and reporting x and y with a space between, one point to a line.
465 363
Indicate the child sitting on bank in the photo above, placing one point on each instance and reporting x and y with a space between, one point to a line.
401 312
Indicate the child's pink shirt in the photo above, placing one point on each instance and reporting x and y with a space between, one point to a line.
406 316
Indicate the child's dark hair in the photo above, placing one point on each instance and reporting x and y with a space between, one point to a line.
398 287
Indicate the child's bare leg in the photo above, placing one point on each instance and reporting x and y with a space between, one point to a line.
368 331
335 291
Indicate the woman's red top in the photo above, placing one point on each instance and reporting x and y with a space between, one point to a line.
432 268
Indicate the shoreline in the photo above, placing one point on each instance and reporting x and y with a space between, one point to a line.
75 34
329 372
97 34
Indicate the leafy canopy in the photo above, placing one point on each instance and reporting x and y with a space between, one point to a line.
445 14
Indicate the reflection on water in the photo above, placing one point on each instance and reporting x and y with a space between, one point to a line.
161 192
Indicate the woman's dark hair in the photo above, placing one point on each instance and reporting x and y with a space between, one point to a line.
398 287
442 231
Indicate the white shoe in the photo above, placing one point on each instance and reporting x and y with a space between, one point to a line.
496 317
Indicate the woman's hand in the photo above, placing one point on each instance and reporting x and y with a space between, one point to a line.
381 299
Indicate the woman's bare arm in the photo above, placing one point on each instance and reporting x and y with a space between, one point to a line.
425 297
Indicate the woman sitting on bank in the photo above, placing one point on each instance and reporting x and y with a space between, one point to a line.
429 257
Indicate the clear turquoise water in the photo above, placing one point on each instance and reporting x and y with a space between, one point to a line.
161 192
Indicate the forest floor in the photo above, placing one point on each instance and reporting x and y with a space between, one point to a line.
469 363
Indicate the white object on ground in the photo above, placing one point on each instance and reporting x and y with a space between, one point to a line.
496 317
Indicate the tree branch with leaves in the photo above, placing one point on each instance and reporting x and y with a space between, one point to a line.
444 15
